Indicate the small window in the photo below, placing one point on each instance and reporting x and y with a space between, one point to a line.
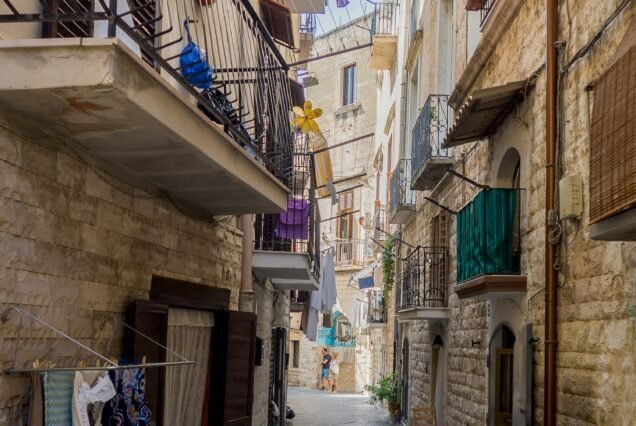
349 85
295 354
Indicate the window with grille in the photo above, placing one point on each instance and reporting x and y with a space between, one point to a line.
295 353
349 76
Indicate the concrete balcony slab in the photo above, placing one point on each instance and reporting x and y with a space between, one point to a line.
383 52
98 94
286 270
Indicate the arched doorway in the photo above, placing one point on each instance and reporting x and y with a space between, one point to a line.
438 378
405 379
501 376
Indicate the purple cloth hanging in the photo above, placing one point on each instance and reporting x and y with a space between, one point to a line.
294 223
342 3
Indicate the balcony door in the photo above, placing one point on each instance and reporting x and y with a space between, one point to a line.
501 362
344 232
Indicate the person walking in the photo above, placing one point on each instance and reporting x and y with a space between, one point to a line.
334 370
324 373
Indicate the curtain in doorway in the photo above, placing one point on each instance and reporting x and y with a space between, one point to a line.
189 335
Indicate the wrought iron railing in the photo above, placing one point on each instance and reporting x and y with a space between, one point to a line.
350 252
249 89
485 10
308 23
400 187
298 229
384 21
429 132
376 314
424 279
489 234
380 230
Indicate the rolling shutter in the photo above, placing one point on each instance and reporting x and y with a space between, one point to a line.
612 147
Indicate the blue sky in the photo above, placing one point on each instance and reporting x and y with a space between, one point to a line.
341 16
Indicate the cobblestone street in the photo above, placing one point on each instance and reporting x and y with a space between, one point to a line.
319 408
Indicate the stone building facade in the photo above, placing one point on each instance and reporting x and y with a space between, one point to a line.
450 355
105 216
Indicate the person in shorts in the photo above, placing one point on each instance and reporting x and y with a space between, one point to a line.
334 370
324 371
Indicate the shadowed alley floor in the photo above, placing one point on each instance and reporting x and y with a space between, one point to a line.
320 408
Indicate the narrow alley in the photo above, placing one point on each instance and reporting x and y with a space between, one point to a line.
320 408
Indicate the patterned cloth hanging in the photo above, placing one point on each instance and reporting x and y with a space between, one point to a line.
128 407
58 394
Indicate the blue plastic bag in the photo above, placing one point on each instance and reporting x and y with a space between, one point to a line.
194 64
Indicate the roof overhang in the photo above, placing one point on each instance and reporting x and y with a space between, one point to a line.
99 96
287 271
484 111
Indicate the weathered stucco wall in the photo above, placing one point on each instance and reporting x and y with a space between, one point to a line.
76 245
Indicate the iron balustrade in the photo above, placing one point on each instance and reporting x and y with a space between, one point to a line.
429 132
424 279
308 23
302 182
400 187
376 312
384 21
250 90
485 9
350 252
379 224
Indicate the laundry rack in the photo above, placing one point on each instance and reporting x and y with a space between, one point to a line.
112 365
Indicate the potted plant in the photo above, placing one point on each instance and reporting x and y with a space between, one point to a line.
386 390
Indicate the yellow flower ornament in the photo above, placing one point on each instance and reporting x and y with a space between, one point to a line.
305 120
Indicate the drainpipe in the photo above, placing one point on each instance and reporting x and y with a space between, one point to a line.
246 295
551 276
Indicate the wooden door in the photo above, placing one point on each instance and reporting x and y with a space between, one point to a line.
151 319
232 375
503 387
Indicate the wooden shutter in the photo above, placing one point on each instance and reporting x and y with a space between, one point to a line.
151 319
66 29
232 378
612 146
475 4
277 19
297 93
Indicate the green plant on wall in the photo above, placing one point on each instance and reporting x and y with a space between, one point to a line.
388 268
386 389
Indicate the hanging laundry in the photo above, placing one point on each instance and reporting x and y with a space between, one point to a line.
294 223
342 3
91 390
128 407
365 282
58 395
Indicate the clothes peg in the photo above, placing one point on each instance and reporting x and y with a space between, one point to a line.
81 363
143 359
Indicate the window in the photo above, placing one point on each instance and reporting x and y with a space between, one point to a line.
349 85
345 218
295 353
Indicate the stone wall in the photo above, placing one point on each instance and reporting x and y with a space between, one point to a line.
76 245
307 373
272 309
597 279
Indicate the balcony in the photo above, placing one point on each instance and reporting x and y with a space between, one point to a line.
423 283
376 314
350 253
489 246
402 203
287 245
430 160
380 227
111 82
384 35
482 6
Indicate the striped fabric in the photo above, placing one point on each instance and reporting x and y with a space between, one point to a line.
324 171
58 394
